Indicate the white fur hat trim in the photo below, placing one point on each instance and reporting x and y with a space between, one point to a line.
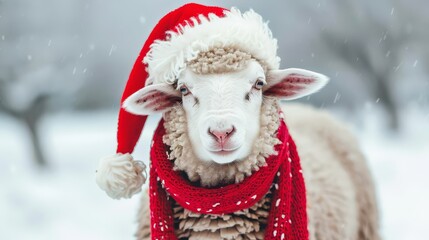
247 31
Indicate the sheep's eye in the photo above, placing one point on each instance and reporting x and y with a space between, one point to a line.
259 84
184 90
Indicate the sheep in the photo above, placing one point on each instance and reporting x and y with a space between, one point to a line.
219 89
340 193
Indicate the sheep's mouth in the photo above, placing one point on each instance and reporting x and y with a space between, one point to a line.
223 152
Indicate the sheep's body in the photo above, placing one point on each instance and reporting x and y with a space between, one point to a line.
340 192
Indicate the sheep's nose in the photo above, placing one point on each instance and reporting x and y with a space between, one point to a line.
222 135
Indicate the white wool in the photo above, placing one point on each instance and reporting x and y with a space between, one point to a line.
247 31
120 176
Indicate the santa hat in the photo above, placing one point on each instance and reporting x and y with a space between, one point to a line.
177 39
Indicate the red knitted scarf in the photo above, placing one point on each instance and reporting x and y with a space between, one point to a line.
287 217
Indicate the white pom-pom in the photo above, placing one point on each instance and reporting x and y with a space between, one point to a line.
120 176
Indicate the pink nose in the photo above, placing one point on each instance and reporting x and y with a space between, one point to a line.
222 135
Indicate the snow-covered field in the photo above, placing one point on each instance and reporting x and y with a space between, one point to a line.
63 202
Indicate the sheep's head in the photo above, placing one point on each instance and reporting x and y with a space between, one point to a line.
222 94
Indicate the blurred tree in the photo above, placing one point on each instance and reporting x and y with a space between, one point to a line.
38 68
373 38
30 115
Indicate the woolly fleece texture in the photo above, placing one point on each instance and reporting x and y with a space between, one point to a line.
219 60
338 209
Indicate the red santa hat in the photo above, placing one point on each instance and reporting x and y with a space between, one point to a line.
178 38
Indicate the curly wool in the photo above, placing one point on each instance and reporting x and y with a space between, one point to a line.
241 225
247 224
210 174
220 60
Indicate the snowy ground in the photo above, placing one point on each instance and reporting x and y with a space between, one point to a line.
64 202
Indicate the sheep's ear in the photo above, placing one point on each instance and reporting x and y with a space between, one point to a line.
293 83
152 99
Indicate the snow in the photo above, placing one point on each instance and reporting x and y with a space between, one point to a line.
399 163
63 202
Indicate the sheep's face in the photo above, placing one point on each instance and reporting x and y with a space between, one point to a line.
223 109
